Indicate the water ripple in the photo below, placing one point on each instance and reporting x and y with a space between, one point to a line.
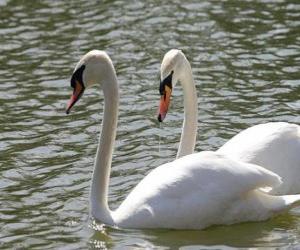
245 58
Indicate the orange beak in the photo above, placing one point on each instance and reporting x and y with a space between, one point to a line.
77 93
164 104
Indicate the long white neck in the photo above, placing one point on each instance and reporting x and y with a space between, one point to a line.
101 174
189 129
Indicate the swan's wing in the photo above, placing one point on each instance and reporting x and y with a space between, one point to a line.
195 186
213 172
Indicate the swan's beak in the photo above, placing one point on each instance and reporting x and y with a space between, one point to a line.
164 104
77 93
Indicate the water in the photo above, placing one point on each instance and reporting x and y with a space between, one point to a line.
245 57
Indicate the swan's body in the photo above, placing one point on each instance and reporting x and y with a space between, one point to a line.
193 192
200 190
274 145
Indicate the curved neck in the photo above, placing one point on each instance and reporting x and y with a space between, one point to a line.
189 129
101 174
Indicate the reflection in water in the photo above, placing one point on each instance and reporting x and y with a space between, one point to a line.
245 58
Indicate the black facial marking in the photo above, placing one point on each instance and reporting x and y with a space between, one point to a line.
77 76
166 82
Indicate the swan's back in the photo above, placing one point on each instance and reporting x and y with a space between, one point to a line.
276 146
196 191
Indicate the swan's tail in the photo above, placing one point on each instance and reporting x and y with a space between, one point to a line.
291 200
280 203
283 203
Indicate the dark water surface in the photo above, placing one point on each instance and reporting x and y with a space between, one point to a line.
246 62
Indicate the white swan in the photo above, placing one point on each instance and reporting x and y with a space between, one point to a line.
192 192
273 145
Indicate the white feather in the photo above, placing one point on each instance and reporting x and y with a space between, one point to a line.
275 146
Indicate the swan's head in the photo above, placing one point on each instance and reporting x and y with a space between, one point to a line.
170 74
93 67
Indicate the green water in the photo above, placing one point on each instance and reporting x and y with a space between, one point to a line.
246 62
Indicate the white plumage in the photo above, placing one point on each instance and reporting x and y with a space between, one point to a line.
200 190
273 145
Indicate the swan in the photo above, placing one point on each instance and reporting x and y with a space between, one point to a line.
273 145
192 192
